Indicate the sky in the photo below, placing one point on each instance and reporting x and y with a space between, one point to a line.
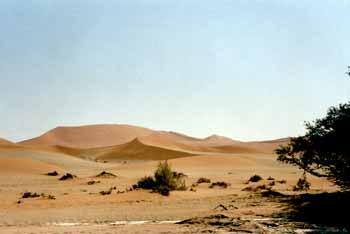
249 70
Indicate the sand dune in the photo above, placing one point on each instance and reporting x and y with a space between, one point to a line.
24 165
5 142
216 140
177 141
89 136
213 143
134 150
117 141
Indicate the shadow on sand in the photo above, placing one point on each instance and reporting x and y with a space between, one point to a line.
318 210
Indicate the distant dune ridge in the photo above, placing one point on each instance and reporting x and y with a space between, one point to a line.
90 136
5 142
114 141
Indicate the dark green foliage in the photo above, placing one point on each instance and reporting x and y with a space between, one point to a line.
163 190
324 150
255 178
146 182
163 181
164 176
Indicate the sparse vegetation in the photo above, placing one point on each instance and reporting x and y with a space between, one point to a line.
270 178
203 180
93 182
54 173
50 197
108 192
255 188
146 182
220 184
163 181
302 184
30 195
282 181
324 150
105 174
255 178
33 195
68 176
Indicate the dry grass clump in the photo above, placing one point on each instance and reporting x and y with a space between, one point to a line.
93 182
203 180
255 178
220 184
255 188
54 173
163 181
105 174
30 195
33 195
282 181
108 192
302 184
68 176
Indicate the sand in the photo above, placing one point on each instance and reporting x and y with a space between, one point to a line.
80 208
99 136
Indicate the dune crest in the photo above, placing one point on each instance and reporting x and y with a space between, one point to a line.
123 141
133 150
5 142
90 136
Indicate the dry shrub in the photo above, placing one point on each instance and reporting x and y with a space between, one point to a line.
255 178
203 180
220 184
163 181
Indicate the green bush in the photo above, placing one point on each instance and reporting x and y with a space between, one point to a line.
163 190
163 181
164 176
146 182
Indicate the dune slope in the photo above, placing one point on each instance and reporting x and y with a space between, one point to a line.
89 136
5 142
134 150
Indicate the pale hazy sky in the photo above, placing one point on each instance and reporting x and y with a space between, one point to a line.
244 69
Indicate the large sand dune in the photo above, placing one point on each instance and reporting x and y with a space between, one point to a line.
89 136
134 150
118 142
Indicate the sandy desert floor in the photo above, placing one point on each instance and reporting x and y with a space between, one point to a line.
80 208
